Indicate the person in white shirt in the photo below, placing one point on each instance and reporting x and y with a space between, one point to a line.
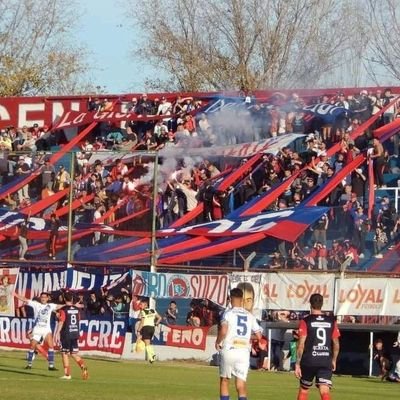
233 341
41 332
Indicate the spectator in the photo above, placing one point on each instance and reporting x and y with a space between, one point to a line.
171 314
380 241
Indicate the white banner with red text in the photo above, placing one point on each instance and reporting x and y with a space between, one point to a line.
283 291
367 296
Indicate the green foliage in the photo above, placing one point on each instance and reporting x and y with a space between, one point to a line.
123 380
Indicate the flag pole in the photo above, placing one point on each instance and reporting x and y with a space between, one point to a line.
70 209
153 249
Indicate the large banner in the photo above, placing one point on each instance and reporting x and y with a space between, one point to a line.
283 291
189 337
102 335
8 280
367 296
184 286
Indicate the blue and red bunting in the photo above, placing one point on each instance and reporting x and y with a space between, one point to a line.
221 235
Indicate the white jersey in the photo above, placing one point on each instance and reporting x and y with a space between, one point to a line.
241 324
42 314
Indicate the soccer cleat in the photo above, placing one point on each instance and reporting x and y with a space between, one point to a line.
28 367
52 368
152 359
85 374
66 377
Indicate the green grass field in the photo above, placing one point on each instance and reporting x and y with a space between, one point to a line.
120 380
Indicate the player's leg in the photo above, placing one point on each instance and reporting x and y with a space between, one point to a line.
324 383
306 382
225 374
223 388
324 391
241 388
48 339
78 359
31 352
240 371
66 366
147 335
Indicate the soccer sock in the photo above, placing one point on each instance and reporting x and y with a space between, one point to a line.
30 356
50 357
303 395
242 398
150 352
42 351
326 396
223 397
67 371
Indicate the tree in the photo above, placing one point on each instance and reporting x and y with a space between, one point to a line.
36 56
382 18
231 44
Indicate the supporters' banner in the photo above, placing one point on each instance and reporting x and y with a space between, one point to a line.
74 118
250 283
31 284
104 335
367 296
284 291
270 146
187 336
327 112
14 332
8 280
79 280
185 286
284 224
101 335
175 335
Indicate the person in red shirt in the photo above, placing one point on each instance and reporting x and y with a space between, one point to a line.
317 350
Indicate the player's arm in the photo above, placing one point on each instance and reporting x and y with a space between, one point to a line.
60 324
140 326
21 298
222 331
157 319
335 352
300 347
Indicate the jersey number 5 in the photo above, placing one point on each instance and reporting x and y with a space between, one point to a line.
242 325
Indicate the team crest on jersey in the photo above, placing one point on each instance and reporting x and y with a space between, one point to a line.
178 286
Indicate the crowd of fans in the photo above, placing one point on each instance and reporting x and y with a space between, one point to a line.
123 188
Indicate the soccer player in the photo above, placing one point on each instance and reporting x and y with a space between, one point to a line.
41 331
149 319
67 334
233 342
317 350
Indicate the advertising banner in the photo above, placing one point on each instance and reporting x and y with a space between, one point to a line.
185 286
283 291
363 296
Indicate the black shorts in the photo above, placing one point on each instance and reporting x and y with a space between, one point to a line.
322 376
147 332
69 345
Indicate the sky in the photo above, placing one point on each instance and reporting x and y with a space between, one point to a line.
105 33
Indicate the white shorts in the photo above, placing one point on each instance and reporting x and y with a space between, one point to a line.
39 334
234 362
